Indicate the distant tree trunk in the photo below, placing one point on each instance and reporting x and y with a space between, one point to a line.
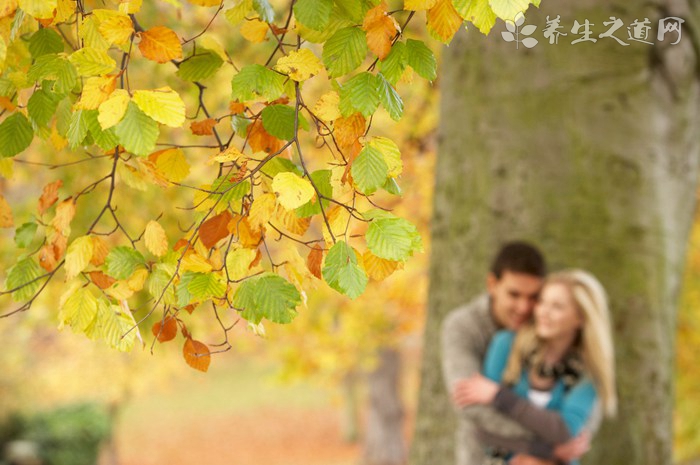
590 151
350 430
384 441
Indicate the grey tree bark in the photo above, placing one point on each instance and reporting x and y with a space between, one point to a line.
590 151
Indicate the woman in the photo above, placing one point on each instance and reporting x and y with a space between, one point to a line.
551 374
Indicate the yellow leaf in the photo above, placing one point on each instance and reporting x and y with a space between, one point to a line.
58 142
228 155
130 6
163 105
236 14
327 106
90 33
39 9
65 211
443 20
380 29
160 44
293 190
92 62
64 10
78 308
112 110
378 268
205 2
7 8
338 218
291 222
507 10
6 165
119 290
299 65
195 262
6 219
261 210
3 52
238 263
171 163
254 30
392 154
156 240
115 27
136 280
95 91
210 43
78 256
480 14
415 5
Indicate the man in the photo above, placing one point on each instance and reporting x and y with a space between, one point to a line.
513 286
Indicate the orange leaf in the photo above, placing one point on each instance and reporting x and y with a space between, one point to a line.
180 244
59 242
236 107
443 20
348 130
160 44
247 236
291 222
99 251
260 140
196 355
47 260
314 260
49 196
215 229
378 268
204 127
189 309
256 260
166 330
380 29
101 280
7 104
65 211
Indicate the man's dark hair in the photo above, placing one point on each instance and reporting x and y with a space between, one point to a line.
519 257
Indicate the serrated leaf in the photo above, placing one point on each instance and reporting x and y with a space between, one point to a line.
360 94
157 282
114 326
390 99
106 139
509 9
163 105
369 170
54 68
280 165
137 132
236 14
337 21
115 27
238 263
22 277
392 238
95 91
204 64
89 33
314 14
160 44
78 309
122 261
344 51
205 286
278 121
16 134
267 296
112 110
380 30
39 9
478 12
171 163
215 228
78 256
327 107
256 80
342 271
78 129
391 153
45 41
254 30
421 59
322 181
293 191
444 21
155 238
299 65
24 234
92 62
393 66
263 8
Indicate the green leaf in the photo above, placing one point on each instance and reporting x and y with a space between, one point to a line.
78 129
280 165
92 62
200 66
20 275
136 132
42 106
478 12
25 235
390 99
369 170
355 10
421 59
182 292
267 296
239 124
256 80
361 93
15 135
322 180
391 237
114 326
342 272
232 191
393 66
392 187
337 21
314 14
122 261
344 51
158 279
263 8
508 9
205 286
79 310
278 121
45 41
52 67
105 139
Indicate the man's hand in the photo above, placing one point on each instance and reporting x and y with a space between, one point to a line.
574 448
474 390
522 459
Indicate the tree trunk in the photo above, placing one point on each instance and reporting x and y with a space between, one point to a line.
591 151
384 442
350 421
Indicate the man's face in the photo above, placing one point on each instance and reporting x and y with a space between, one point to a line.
513 297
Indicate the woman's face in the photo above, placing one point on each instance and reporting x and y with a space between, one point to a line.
556 314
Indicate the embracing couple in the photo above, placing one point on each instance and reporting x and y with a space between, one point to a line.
529 364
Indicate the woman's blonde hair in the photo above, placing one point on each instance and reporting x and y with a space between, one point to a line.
594 345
